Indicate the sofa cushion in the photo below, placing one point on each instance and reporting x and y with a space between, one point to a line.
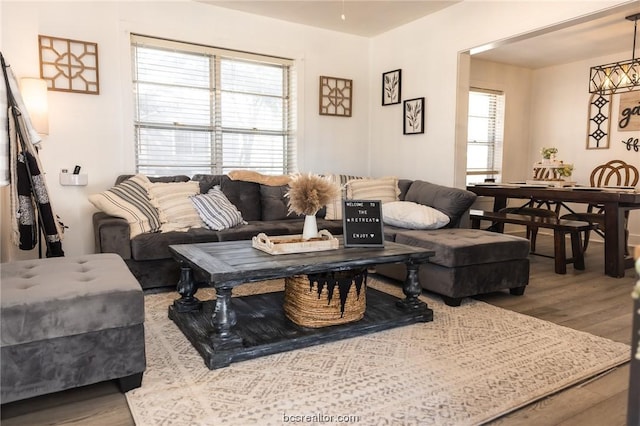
274 203
207 182
461 247
174 204
156 246
130 200
403 186
453 202
154 179
410 215
245 196
216 210
251 229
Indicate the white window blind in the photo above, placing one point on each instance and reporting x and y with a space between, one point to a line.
200 109
485 134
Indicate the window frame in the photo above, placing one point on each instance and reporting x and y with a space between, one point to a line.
285 159
495 136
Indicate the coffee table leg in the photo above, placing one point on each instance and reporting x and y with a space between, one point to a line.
186 288
224 318
411 289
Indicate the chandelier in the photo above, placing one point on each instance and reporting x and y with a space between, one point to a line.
616 77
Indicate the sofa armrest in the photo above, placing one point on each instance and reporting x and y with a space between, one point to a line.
111 235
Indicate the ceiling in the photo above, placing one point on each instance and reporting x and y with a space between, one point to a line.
574 41
362 17
597 35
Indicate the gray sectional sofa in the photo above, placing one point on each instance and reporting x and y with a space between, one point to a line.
467 262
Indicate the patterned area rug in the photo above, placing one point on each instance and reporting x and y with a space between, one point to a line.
471 364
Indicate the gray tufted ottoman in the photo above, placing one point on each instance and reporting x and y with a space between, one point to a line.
467 262
69 322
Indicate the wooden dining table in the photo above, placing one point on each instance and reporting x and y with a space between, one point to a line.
615 203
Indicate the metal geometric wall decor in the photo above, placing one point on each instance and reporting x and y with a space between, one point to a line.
599 123
69 65
336 96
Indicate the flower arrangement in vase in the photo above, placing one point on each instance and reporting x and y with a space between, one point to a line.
548 154
307 194
566 170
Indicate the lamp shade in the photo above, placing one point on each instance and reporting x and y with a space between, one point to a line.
34 96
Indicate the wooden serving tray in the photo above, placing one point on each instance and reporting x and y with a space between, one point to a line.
285 244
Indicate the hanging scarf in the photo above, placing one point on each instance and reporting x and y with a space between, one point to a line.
29 197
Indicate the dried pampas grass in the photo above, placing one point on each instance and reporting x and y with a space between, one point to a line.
308 193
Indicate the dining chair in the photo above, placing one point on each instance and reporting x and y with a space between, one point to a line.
612 173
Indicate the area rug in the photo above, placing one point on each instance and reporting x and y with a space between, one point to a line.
472 364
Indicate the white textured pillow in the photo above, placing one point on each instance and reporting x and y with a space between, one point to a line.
384 189
175 206
216 210
410 215
129 200
334 207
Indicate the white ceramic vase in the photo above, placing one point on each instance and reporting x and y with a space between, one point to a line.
310 229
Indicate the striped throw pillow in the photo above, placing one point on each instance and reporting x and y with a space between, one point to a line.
129 200
215 209
173 201
334 207
384 189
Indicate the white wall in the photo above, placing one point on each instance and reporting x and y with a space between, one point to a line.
427 51
96 132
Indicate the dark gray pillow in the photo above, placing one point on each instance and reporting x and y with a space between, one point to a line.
451 201
274 203
207 181
244 195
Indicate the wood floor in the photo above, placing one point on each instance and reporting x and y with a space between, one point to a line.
584 300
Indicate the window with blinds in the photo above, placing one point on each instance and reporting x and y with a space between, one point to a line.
200 109
485 134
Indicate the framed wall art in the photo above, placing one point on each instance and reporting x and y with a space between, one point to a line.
413 116
69 65
336 96
391 87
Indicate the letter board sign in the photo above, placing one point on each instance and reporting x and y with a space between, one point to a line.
362 222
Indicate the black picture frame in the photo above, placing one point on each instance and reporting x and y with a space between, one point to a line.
413 116
392 87
362 223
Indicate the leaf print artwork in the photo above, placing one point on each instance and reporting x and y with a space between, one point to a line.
391 87
414 116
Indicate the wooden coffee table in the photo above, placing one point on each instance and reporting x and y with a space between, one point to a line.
225 330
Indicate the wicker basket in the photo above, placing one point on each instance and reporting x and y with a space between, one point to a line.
341 298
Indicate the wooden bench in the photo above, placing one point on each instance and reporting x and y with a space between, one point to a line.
561 227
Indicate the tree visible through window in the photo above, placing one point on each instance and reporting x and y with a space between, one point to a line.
201 109
485 134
